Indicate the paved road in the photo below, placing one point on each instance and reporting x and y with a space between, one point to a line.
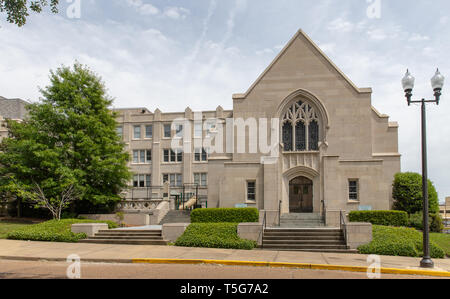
41 270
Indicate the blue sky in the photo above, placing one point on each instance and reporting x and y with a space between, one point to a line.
172 54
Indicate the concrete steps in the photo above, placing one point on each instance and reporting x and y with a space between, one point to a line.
129 237
305 239
177 217
301 220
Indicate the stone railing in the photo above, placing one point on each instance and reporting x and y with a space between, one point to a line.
138 205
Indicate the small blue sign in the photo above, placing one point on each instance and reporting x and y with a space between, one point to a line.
241 205
365 208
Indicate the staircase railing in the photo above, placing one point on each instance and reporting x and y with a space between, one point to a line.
343 225
324 212
263 228
279 213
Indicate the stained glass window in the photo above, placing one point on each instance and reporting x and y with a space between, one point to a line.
287 136
300 121
300 137
313 136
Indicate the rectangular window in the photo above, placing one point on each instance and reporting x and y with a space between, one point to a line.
167 131
198 130
149 156
137 132
135 181
142 156
179 156
251 191
172 156
166 155
353 187
149 131
175 179
135 157
204 155
141 181
201 179
120 131
148 180
200 155
179 131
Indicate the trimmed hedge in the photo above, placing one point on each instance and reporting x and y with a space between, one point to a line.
407 193
434 220
221 215
214 235
53 231
387 218
398 241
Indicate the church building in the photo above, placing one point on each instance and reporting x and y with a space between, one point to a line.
333 150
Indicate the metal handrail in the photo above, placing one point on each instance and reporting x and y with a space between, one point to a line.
323 211
343 225
263 228
279 213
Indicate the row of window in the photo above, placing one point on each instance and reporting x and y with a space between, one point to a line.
167 130
175 180
169 156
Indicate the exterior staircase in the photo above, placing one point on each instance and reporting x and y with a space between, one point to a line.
176 216
302 220
130 237
305 239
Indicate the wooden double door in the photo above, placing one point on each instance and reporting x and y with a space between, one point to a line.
301 195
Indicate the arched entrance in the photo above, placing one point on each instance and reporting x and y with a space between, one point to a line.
300 195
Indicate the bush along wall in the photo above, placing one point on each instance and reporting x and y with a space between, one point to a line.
221 215
386 218
398 241
214 235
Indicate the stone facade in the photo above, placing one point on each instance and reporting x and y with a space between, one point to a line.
10 109
336 151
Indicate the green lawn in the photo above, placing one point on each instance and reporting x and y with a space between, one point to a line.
442 240
6 227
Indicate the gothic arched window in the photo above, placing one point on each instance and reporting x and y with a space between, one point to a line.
300 136
287 137
313 136
300 128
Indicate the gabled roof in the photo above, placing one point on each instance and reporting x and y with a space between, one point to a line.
308 39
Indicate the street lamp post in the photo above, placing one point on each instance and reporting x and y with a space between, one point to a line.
437 82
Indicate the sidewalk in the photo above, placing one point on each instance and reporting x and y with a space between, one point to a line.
24 250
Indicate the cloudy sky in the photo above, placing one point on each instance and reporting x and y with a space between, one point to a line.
170 54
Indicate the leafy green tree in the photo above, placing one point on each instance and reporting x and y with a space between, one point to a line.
407 193
68 143
17 11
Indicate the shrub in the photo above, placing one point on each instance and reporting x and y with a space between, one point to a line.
398 241
53 231
220 215
407 193
387 218
214 235
435 222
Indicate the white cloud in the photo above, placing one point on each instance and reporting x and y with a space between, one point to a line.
264 52
418 38
148 9
176 13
